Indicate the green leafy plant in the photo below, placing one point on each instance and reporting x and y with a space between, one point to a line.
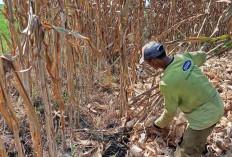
73 150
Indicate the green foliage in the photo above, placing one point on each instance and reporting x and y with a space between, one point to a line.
225 39
208 39
145 13
3 27
73 150
227 45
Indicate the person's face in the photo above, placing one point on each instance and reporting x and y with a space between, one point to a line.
153 62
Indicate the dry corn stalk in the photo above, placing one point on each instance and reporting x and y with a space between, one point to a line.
7 110
32 117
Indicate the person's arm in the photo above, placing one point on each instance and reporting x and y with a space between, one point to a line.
171 103
198 57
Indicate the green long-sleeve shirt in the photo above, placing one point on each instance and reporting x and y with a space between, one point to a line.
184 86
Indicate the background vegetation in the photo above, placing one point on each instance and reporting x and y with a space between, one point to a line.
3 27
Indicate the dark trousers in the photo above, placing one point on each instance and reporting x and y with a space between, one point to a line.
193 143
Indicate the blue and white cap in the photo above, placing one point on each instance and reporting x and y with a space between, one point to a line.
151 50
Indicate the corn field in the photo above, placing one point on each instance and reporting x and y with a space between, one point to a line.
72 67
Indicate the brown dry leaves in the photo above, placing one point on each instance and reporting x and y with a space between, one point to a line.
219 72
146 143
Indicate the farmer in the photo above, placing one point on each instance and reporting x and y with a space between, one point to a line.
184 86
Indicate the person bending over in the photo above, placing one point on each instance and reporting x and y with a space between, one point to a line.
184 86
